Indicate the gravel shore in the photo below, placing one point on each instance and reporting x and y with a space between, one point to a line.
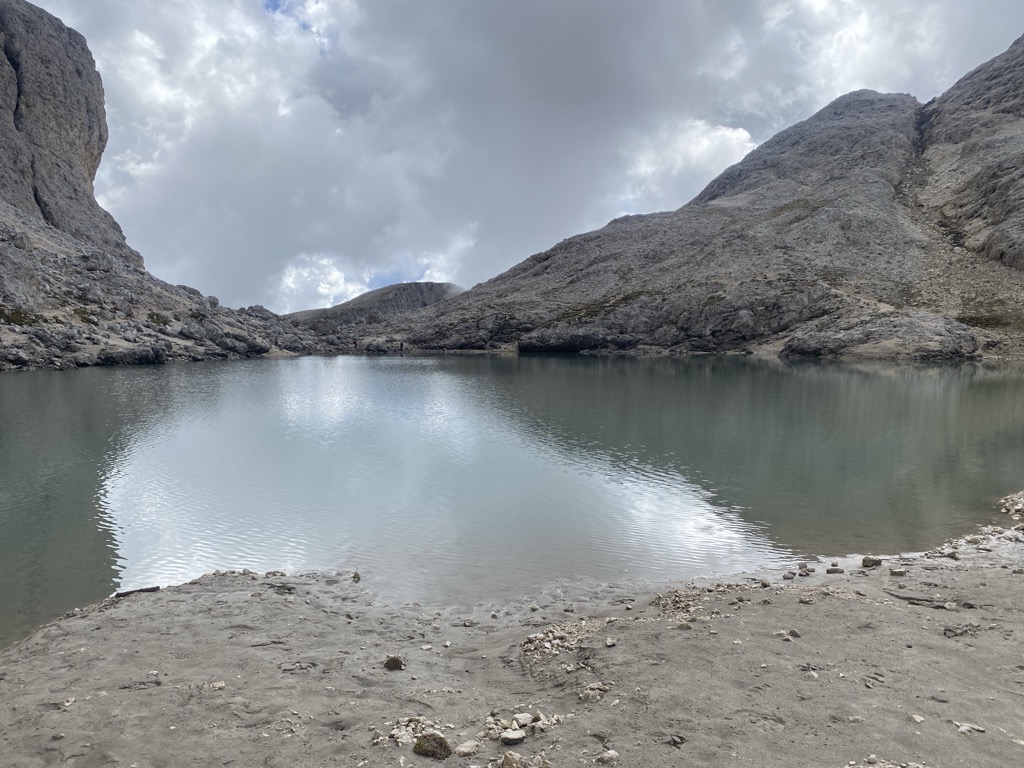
916 660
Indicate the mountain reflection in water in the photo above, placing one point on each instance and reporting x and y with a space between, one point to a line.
461 479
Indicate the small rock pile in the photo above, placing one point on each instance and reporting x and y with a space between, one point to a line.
516 760
563 636
1013 504
425 735
518 728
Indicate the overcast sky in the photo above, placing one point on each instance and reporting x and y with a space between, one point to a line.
295 153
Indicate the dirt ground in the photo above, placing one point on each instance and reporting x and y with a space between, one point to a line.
915 661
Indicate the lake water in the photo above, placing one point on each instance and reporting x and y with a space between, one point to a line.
461 479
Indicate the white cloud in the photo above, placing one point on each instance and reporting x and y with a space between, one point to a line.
312 281
454 138
679 156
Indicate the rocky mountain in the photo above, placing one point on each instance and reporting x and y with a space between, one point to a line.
879 228
375 306
72 292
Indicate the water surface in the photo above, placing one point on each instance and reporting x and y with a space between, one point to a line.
457 479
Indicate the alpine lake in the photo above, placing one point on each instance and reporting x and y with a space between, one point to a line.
455 480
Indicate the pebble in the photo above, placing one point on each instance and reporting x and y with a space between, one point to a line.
834 569
607 757
432 744
870 561
610 642
594 691
523 719
394 662
513 736
897 571
789 575
467 749
968 727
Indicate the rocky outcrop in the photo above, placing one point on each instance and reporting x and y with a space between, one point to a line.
973 140
878 228
72 292
374 306
53 127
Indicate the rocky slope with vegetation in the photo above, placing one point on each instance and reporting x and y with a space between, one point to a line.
879 228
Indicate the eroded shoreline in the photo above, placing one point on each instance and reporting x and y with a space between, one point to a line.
915 661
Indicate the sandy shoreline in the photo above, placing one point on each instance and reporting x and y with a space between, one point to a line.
916 661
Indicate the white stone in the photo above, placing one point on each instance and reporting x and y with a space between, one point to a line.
513 736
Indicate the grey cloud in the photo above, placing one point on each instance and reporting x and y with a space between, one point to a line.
381 139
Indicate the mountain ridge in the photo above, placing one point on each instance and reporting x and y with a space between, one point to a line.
877 228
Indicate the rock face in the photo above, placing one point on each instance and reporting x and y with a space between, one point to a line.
374 306
877 229
72 292
52 126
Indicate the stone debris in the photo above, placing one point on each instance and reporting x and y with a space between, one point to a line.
512 736
523 719
496 728
563 636
968 727
516 760
961 629
408 730
1013 504
594 691
432 744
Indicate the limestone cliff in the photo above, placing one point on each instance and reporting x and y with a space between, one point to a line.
72 292
52 126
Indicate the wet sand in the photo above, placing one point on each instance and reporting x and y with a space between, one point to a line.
915 661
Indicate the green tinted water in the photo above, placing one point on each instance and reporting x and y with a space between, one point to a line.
463 479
